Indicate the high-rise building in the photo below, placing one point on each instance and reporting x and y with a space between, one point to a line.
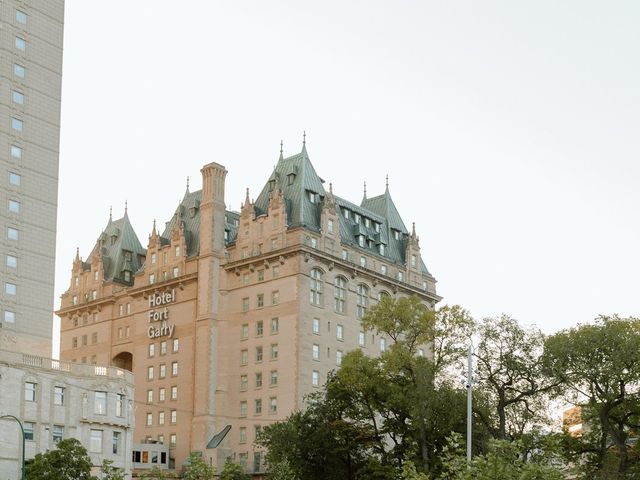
31 69
229 319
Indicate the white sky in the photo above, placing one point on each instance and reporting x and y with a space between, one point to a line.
509 129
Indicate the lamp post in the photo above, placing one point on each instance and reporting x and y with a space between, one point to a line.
469 401
24 470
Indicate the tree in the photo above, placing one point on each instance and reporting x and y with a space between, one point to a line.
156 473
109 472
68 461
600 364
452 332
510 372
280 471
198 469
233 471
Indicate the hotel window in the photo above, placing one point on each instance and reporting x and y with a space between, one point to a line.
163 347
244 357
315 326
314 242
315 378
244 331
244 382
74 300
149 373
274 378
362 300
339 294
21 17
12 262
100 403
57 433
383 269
161 394
260 275
274 351
14 179
274 243
315 352
339 357
275 271
361 240
245 304
174 416
361 339
363 262
12 233
18 70
149 419
413 260
16 124
356 217
258 354
243 434
173 440
260 300
149 396
9 316
339 332
176 272
152 278
243 408
120 333
174 392
127 276
115 443
10 288
160 418
259 328
315 294
273 405
58 395
84 340
174 369
29 430
330 226
257 429
16 152
275 297
94 338
424 286
383 345
94 359
396 234
345 254
30 391
258 379
401 276
245 279
177 252
20 43
162 371
153 259
258 406
161 441
382 249
274 326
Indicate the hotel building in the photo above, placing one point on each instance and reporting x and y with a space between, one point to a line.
228 319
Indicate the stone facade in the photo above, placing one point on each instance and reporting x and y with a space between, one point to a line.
260 305
55 400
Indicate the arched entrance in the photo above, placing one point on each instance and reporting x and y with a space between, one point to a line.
123 360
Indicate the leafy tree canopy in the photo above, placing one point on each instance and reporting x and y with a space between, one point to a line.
68 461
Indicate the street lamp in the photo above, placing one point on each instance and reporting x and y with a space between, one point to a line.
469 401
24 470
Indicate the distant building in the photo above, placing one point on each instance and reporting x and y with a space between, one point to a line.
229 319
55 400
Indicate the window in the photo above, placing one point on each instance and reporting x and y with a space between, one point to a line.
339 294
14 179
244 357
149 419
315 326
382 294
361 339
383 344
273 381
242 435
149 373
339 332
176 272
275 272
119 405
161 394
245 279
84 340
174 369
127 276
173 440
396 234
363 262
163 347
315 352
174 392
273 405
29 430
74 300
361 240
258 406
121 309
94 338
356 217
258 379
149 396
274 243
174 416
258 354
244 331
274 326
153 258
100 403
18 70
16 124
21 17
381 249
95 443
57 432
9 316
413 260
20 43
16 152
160 418
315 294
383 269
275 297
259 328
152 279
401 276
260 275
30 391
12 233
339 355
314 242
243 408
162 371
345 254
260 300
362 300
312 196
10 288
274 351
244 382
12 262
315 378
115 442
177 252
330 226
245 304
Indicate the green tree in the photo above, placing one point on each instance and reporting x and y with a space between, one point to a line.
198 469
109 472
281 471
233 471
156 473
68 461
451 335
600 363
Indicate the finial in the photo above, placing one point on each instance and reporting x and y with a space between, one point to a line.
413 229
187 182
110 212
331 188
246 198
153 232
77 253
281 146
126 203
365 189
304 138
387 181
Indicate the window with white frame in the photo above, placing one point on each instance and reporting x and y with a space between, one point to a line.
315 288
340 294
315 378
362 300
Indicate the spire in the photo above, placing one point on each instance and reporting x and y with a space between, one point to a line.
331 188
304 143
126 207
387 183
413 230
246 198
365 191
187 183
281 156
153 232
77 253
110 213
